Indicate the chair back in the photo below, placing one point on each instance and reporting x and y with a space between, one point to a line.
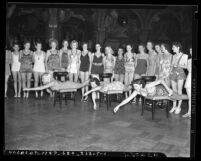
148 79
105 75
59 75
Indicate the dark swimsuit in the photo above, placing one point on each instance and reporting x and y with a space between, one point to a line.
141 67
64 60
119 66
84 66
96 67
26 63
53 62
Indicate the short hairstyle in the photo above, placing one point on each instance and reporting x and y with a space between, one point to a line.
53 40
96 80
139 81
166 46
151 42
141 44
85 43
64 41
72 42
129 44
177 44
98 43
27 41
110 49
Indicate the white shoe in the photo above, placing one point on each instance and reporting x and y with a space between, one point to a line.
178 110
172 110
185 115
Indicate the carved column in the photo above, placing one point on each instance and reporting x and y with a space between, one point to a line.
100 25
53 24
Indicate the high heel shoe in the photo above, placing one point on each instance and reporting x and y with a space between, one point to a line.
172 110
178 110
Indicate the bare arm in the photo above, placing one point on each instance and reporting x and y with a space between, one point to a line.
93 90
40 88
133 95
46 59
90 61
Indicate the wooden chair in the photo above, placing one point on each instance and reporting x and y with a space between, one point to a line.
109 95
58 96
153 101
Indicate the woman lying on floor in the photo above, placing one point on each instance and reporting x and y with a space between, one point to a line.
154 89
50 83
105 87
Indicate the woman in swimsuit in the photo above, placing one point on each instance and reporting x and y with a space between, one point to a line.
97 61
109 62
50 83
177 75
157 88
158 58
104 87
7 71
52 61
152 59
15 68
26 59
188 83
141 62
119 69
64 59
39 65
74 61
85 66
165 64
129 65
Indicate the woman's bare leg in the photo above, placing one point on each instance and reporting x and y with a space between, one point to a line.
94 100
75 78
40 82
130 79
36 80
71 77
188 114
15 82
116 77
6 85
28 82
86 77
82 80
126 82
174 88
180 84
19 84
23 76
121 78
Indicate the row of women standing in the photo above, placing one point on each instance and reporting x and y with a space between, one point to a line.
125 67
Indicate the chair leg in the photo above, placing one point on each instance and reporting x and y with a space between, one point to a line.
167 108
100 98
66 98
74 97
60 99
143 103
107 98
54 99
153 108
110 100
